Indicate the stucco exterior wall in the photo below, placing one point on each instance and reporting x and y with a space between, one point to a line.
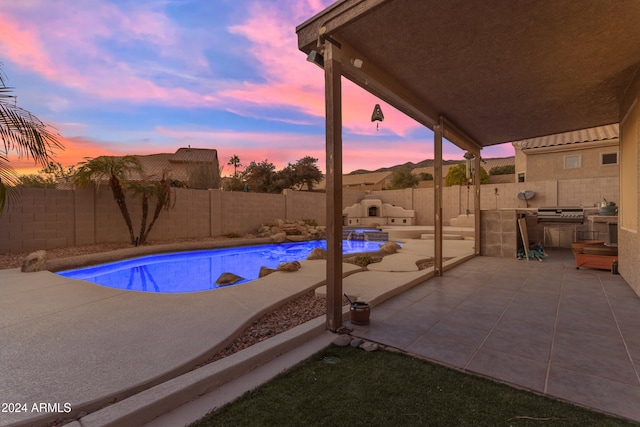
629 220
542 164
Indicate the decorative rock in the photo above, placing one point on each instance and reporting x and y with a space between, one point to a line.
342 340
293 230
318 253
369 346
228 279
279 238
356 342
265 271
35 261
390 247
289 266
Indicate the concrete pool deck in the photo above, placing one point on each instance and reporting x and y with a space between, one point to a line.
69 341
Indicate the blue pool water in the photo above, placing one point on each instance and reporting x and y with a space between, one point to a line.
198 270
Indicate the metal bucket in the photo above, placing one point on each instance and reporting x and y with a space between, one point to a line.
360 312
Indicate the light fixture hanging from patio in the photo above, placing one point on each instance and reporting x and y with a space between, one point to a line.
377 115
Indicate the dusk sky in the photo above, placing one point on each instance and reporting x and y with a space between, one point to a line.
150 76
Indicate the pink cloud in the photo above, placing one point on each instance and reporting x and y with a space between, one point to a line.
65 48
293 82
75 150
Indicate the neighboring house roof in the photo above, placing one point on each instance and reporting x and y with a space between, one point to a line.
176 165
194 155
489 164
599 133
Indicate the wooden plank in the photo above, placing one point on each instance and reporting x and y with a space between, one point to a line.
522 225
333 105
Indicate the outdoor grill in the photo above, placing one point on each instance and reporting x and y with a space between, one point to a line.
561 215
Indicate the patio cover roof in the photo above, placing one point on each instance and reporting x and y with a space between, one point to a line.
499 70
477 73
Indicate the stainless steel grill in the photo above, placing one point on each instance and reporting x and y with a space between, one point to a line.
561 214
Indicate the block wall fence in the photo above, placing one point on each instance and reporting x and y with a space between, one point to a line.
47 219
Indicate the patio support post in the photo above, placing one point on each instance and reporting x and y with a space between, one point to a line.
333 101
437 198
476 205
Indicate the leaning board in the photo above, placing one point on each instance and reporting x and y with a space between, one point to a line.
522 225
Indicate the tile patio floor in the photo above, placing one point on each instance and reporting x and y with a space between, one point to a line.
543 326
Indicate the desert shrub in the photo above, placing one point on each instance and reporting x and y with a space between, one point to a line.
503 170
363 260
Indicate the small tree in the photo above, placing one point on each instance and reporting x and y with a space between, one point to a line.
425 176
457 175
306 172
503 170
403 178
160 193
116 170
260 176
35 181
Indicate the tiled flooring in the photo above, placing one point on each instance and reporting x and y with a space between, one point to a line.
544 326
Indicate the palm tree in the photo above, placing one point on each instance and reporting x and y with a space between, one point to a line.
235 162
117 170
160 192
24 134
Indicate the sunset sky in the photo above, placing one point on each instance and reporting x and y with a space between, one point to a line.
150 76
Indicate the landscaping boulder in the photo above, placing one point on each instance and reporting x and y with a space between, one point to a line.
289 266
369 346
342 340
318 253
390 247
265 271
35 261
228 279
293 230
279 238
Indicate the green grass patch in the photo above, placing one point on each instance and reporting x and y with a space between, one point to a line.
344 386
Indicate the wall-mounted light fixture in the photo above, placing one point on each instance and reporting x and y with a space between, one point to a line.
356 62
316 57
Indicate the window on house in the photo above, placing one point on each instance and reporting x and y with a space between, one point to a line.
572 162
609 159
521 177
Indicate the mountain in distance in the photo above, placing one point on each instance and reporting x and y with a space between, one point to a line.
409 165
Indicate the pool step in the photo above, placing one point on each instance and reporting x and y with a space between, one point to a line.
371 236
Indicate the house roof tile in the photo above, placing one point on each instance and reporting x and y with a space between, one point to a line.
599 133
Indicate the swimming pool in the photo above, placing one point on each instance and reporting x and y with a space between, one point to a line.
198 270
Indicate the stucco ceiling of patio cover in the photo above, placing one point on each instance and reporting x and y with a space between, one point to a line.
500 70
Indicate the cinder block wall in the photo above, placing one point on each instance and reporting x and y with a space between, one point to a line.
44 219
306 205
40 219
244 212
